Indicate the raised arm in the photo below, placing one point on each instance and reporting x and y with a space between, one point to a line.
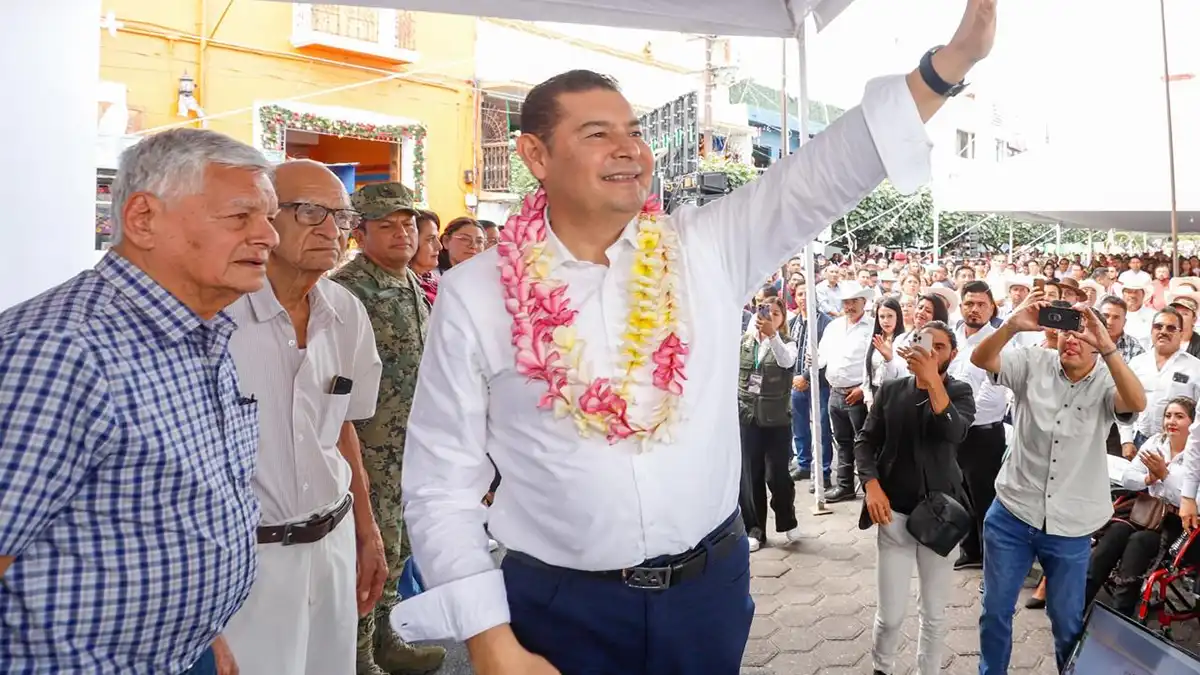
756 228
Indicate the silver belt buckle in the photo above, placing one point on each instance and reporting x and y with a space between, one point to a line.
647 578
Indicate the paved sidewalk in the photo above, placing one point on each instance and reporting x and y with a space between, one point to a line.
815 605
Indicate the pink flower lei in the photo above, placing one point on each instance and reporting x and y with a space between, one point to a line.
652 347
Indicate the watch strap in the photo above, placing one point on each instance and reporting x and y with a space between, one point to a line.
935 81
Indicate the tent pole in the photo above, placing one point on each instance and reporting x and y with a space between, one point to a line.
937 235
1162 10
1058 239
1010 241
810 273
785 134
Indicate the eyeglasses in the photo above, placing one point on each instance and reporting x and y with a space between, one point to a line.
312 215
1163 327
478 242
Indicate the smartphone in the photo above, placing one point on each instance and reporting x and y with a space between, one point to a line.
924 341
1060 318
1039 285
764 311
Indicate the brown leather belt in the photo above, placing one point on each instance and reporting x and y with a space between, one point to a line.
308 532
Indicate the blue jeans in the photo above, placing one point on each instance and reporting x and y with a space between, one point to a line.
802 429
410 583
1009 548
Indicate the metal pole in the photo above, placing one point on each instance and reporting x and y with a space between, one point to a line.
1162 10
1058 239
937 235
710 85
785 135
810 272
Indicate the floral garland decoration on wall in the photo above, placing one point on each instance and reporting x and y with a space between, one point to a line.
277 119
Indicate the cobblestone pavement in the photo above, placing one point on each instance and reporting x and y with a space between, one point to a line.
815 605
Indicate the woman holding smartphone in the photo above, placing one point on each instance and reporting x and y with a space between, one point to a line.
765 413
930 307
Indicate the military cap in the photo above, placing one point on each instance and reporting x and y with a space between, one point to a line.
381 200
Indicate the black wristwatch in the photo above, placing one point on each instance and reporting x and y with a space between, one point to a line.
935 81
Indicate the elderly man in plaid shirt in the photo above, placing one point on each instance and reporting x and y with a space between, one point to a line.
126 448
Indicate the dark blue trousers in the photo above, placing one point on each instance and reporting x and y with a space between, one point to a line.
207 665
585 625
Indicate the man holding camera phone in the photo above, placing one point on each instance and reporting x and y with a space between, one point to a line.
1052 492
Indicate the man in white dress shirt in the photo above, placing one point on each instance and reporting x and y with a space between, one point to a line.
305 350
983 452
1135 274
1166 371
624 556
842 354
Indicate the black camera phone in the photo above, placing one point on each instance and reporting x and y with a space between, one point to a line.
1060 316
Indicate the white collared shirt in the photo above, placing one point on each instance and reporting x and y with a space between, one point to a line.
784 352
1137 326
1055 474
1134 277
300 469
1179 376
842 351
991 399
582 503
1169 489
828 299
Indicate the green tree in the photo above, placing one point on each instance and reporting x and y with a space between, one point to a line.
520 181
738 173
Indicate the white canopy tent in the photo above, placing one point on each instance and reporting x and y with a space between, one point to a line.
759 18
1123 186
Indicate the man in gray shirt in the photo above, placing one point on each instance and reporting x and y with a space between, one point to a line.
1052 491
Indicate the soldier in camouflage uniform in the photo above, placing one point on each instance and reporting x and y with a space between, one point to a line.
399 313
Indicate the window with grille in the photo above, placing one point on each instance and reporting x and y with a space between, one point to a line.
357 23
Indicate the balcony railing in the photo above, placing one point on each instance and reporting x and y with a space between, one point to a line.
384 33
496 168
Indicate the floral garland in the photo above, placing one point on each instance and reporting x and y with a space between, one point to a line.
277 119
548 349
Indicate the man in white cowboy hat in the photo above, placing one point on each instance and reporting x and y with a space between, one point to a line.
887 278
1185 284
619 443
1135 292
1095 292
1014 289
842 352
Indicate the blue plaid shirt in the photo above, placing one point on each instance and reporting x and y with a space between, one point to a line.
125 464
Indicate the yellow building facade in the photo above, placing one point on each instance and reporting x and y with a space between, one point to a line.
378 94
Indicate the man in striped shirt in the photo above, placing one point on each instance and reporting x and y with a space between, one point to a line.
126 444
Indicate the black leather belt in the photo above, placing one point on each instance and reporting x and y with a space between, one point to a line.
308 532
988 427
663 573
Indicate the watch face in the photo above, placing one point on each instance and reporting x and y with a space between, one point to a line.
956 89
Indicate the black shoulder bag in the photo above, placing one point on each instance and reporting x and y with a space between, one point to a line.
939 522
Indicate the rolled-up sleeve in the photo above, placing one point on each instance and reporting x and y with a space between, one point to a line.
445 474
784 352
55 419
760 225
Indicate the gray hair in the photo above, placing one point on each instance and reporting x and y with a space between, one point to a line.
171 164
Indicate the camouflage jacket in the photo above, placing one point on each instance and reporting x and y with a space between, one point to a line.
399 313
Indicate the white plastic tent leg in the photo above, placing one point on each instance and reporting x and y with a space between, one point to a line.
810 275
48 167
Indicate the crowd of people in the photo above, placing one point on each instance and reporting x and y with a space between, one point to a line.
1012 419
220 446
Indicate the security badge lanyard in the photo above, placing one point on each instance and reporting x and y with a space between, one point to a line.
754 384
